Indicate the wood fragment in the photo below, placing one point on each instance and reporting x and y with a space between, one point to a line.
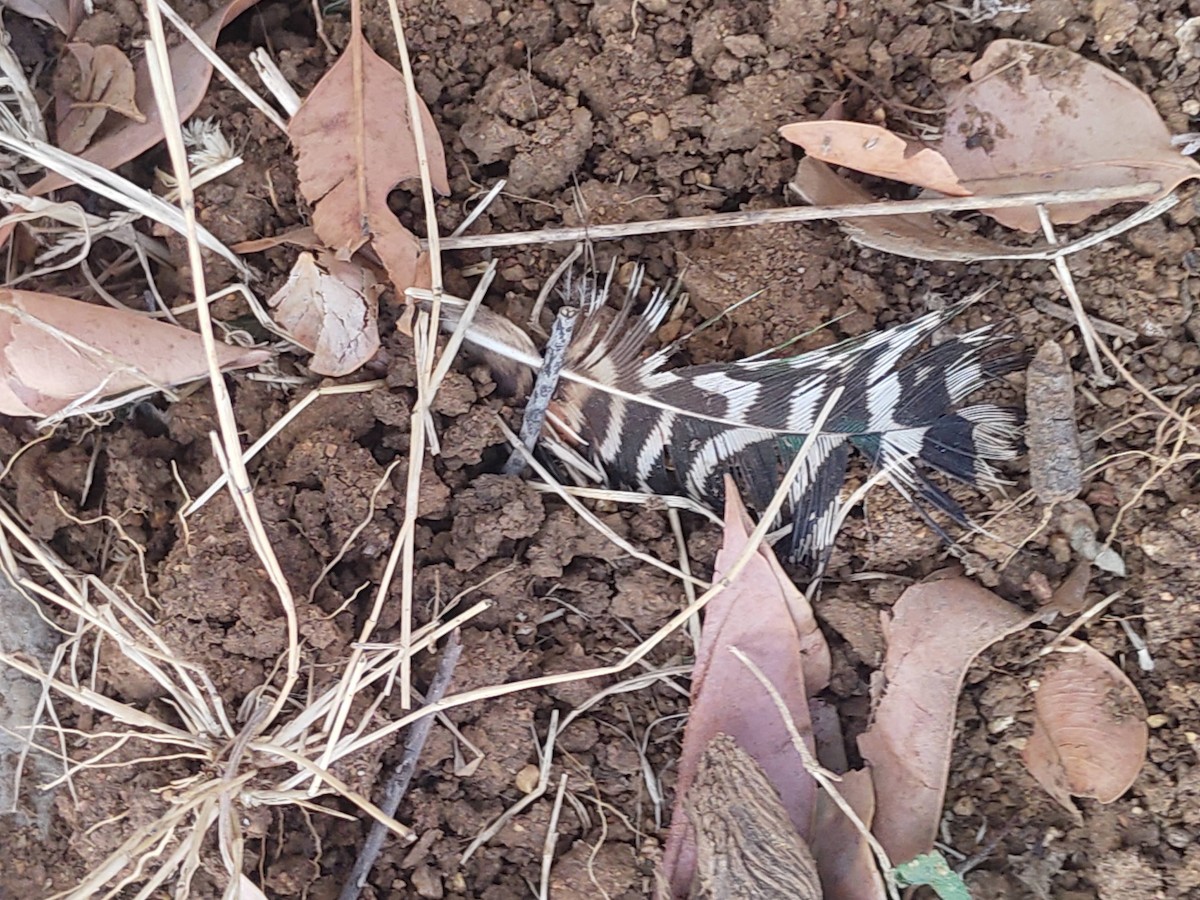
746 846
1055 455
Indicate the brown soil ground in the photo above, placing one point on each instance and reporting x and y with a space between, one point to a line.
607 112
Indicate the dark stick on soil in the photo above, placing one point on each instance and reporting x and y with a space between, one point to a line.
397 784
543 388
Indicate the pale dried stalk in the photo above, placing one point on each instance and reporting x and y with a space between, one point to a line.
164 95
221 66
1140 191
424 397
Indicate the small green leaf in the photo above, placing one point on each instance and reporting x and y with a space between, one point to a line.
932 869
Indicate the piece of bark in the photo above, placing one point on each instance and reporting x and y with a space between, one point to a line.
1055 456
746 846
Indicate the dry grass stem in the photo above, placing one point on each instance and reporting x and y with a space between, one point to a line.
546 762
221 66
798 214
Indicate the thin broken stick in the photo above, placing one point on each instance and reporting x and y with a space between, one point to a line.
398 781
544 387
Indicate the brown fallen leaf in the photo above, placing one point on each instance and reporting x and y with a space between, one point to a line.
301 236
876 151
106 83
1041 118
191 72
781 636
55 351
746 845
65 15
844 860
936 630
1090 735
915 235
332 311
354 144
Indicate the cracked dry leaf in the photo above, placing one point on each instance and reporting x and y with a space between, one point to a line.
55 351
191 72
876 151
330 310
1090 734
769 620
936 631
106 83
354 144
1041 118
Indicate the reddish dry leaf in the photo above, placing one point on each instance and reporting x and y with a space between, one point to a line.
767 619
936 630
191 72
1041 118
106 83
915 235
876 151
65 15
354 144
844 860
332 311
54 351
1090 734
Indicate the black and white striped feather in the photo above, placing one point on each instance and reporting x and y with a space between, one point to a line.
679 431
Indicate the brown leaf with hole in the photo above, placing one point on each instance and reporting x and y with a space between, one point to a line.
332 311
763 615
1090 735
191 72
936 630
65 15
1041 118
876 151
354 144
105 84
914 235
55 351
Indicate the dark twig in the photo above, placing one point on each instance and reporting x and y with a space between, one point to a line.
543 388
397 784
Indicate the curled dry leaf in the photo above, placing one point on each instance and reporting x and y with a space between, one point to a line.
55 351
354 144
876 151
763 615
106 83
937 629
330 310
191 72
1041 118
65 15
1090 734
915 235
